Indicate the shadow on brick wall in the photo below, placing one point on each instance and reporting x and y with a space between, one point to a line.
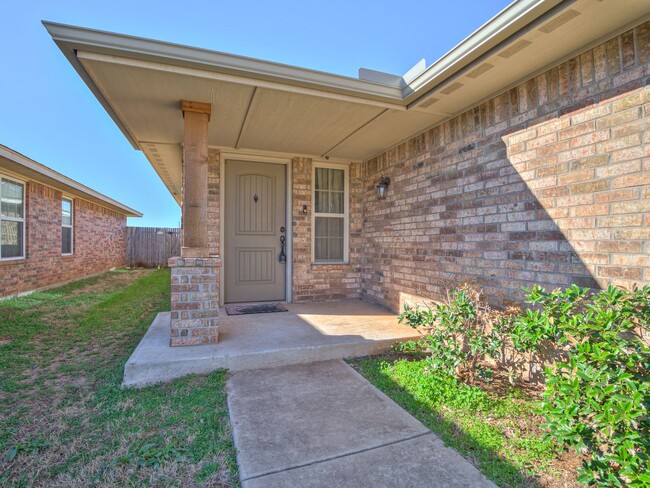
548 183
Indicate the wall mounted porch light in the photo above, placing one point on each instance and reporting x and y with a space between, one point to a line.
381 187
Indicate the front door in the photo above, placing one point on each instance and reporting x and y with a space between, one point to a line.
255 231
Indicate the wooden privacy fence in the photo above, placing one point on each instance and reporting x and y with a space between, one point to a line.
151 247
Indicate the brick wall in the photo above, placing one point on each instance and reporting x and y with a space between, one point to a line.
311 282
320 282
547 183
194 301
99 243
214 216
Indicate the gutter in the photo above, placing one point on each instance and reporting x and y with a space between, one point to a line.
495 32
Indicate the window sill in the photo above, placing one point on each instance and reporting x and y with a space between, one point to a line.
8 261
330 263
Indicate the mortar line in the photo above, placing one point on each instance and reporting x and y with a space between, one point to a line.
353 453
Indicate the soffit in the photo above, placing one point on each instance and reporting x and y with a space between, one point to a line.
385 131
290 122
142 92
148 101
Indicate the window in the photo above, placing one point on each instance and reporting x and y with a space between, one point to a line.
12 219
67 235
330 224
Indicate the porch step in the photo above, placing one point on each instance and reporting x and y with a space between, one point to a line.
353 329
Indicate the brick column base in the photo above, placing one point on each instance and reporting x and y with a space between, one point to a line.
195 300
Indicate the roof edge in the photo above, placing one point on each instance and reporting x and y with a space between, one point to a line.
16 157
72 38
498 29
512 19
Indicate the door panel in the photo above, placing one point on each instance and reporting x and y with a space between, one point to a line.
255 213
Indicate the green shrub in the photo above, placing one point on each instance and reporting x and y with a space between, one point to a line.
461 333
597 398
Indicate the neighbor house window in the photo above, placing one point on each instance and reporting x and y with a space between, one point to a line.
67 234
12 219
330 224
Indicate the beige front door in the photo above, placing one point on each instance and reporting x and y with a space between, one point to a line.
255 226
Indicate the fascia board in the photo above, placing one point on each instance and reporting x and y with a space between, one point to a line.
74 38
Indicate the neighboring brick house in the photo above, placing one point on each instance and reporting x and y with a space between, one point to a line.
53 229
521 157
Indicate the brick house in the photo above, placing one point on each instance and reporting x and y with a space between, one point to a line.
521 157
52 228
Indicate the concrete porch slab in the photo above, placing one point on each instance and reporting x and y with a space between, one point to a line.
307 333
323 424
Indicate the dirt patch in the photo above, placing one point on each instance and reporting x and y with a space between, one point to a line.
112 281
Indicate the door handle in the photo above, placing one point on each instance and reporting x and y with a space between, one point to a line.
283 256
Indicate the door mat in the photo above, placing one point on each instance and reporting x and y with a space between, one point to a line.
259 308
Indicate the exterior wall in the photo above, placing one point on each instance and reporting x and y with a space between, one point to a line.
214 188
320 282
99 243
311 282
548 183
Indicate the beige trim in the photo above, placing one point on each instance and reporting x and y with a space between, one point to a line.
22 220
346 212
249 153
73 212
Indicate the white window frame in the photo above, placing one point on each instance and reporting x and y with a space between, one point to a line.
71 226
346 212
16 219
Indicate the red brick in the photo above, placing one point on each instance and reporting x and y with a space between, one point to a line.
620 221
618 272
639 179
618 169
619 246
591 187
618 195
575 177
99 242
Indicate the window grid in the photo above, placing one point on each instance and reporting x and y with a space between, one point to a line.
67 227
12 241
330 215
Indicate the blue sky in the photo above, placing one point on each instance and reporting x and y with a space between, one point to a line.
49 115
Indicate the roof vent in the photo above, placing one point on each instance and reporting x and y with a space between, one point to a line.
559 21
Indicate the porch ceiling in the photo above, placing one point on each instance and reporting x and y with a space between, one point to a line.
257 105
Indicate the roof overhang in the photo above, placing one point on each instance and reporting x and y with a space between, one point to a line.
264 106
15 164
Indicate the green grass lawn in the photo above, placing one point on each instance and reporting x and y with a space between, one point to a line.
499 434
64 421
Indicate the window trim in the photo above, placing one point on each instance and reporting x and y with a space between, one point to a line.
346 212
71 226
17 219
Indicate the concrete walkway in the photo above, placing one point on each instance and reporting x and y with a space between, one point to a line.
323 425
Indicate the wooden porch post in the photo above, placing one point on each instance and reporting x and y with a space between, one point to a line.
195 274
195 179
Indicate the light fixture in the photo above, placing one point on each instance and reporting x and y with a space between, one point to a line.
381 187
